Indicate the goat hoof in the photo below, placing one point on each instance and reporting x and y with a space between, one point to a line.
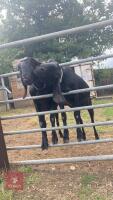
54 141
83 139
44 146
54 137
66 140
80 139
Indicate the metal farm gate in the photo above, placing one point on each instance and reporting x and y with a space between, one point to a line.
4 162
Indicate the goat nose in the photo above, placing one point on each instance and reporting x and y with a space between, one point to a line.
25 77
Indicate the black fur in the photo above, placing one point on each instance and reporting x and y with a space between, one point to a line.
46 77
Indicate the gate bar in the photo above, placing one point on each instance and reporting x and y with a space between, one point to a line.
67 93
61 145
65 160
57 34
60 127
85 60
107 105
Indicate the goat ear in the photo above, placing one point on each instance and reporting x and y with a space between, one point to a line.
57 95
58 98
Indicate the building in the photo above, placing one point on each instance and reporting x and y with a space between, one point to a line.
85 71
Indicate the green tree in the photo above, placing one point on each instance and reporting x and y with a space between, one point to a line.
26 18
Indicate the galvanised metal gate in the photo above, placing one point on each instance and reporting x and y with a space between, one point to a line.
4 163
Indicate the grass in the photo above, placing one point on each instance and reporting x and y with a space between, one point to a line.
26 169
108 112
5 194
87 179
32 178
87 191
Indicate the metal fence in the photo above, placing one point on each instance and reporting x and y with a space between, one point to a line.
4 163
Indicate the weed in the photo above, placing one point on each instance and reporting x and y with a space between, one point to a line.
87 179
32 179
26 169
6 195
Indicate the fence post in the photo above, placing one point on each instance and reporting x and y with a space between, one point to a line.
4 162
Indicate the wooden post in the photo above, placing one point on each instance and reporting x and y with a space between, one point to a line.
4 162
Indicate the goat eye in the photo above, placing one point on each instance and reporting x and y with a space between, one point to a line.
42 69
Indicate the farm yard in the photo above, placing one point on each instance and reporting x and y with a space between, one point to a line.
28 29
101 114
79 181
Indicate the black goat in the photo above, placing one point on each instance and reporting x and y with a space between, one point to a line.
28 69
54 79
58 79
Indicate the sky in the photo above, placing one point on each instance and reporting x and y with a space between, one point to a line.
107 63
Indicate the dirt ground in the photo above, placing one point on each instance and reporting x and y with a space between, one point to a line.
80 181
35 138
